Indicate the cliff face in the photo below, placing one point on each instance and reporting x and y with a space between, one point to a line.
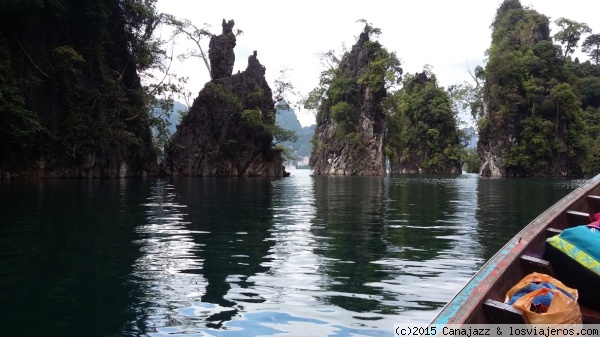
531 120
350 127
71 102
227 130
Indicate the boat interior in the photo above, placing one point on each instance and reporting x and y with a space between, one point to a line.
481 301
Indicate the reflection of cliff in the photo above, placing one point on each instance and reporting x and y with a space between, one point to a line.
64 252
430 234
511 204
349 226
231 220
418 213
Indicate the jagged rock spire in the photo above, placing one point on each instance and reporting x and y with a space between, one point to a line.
221 53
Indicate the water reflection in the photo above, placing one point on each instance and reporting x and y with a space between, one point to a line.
510 204
430 233
349 225
310 255
237 215
168 248
65 248
316 256
198 259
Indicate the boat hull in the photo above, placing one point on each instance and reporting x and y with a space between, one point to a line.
480 301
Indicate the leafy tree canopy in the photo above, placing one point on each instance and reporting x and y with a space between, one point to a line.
423 128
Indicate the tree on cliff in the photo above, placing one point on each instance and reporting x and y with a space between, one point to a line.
531 122
569 34
587 84
591 45
195 34
73 101
351 123
423 135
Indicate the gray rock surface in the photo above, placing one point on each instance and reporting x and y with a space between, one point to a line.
363 152
216 138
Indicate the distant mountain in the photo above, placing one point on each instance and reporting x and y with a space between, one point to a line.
288 120
470 131
173 119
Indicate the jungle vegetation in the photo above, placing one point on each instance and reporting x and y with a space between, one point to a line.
88 83
78 80
422 127
541 104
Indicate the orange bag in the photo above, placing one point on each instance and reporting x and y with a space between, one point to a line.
562 310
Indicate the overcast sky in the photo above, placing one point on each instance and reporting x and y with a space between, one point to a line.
450 35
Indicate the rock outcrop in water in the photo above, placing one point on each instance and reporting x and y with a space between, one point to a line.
423 136
351 123
531 123
228 130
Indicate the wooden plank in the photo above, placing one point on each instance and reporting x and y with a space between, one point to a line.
533 264
505 268
594 201
502 313
589 316
578 218
550 232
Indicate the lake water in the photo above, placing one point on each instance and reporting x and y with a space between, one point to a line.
300 256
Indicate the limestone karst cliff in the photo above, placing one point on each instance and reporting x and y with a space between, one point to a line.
229 128
349 139
531 122
71 101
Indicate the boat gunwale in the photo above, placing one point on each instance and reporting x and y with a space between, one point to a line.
469 298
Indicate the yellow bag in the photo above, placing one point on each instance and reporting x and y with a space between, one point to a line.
562 310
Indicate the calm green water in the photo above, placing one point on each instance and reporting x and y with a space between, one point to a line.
301 256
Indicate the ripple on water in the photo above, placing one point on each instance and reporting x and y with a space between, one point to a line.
323 256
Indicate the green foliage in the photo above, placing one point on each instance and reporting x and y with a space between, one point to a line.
535 146
345 115
589 88
369 29
283 89
19 126
337 95
467 97
286 153
531 93
222 95
471 160
384 69
280 134
253 118
354 138
422 126
314 98
78 92
591 119
160 125
569 34
591 45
